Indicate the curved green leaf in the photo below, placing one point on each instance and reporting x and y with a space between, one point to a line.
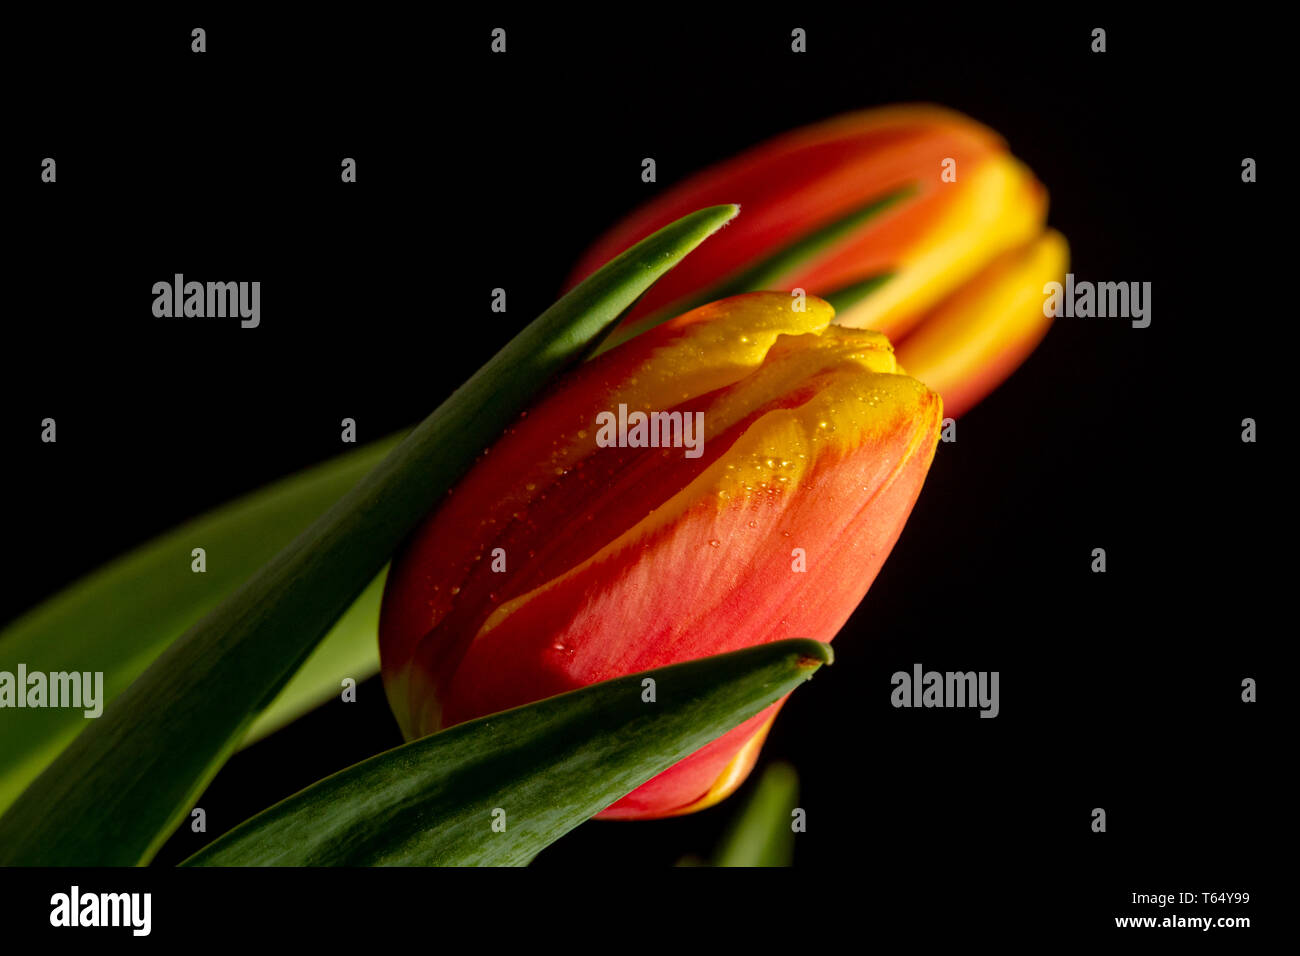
540 770
117 620
350 649
121 786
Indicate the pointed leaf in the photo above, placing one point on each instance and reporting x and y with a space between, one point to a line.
539 771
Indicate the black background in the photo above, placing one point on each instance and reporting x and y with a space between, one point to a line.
1119 690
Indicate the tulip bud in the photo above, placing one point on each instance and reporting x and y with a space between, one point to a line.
574 552
960 204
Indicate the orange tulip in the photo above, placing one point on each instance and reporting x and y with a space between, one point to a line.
972 215
776 464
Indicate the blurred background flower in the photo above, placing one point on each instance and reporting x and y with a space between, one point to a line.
913 220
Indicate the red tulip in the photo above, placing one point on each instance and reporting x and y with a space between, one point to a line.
562 559
972 208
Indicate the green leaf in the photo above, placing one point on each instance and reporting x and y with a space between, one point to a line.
846 297
761 834
117 791
350 649
549 766
775 271
118 619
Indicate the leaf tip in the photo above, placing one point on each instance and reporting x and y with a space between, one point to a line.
724 213
813 654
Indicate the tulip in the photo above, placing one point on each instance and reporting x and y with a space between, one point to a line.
962 211
563 558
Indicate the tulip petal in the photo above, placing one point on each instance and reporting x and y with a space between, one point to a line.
976 338
996 206
516 487
636 557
